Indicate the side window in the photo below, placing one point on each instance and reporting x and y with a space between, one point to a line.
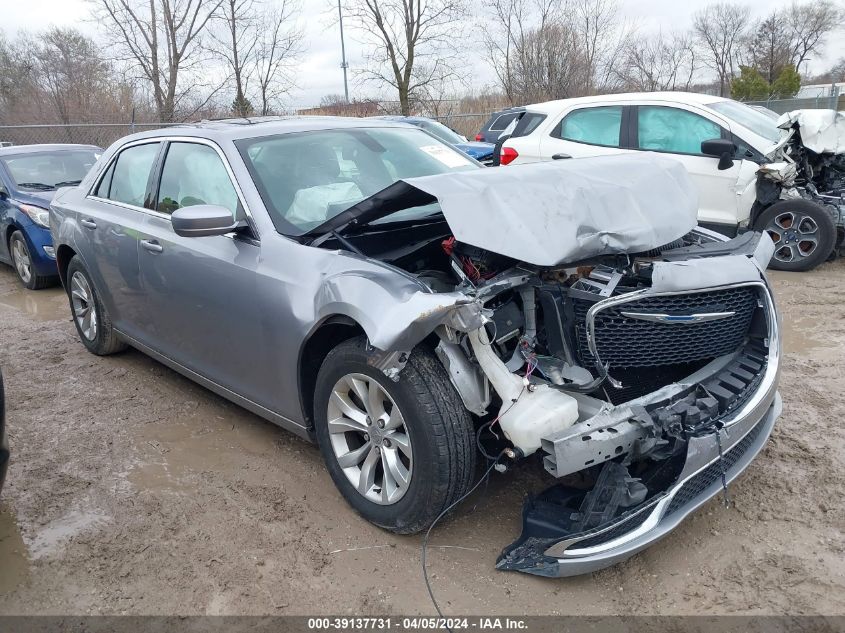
672 130
126 179
102 190
595 126
194 174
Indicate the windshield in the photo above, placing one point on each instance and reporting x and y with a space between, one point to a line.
748 117
44 171
442 132
307 178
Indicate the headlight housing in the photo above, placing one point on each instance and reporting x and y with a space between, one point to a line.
38 215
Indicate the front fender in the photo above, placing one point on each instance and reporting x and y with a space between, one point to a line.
396 312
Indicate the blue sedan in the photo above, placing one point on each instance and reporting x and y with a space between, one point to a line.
482 152
30 175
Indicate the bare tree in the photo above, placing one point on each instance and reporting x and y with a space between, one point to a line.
412 42
770 46
553 49
279 44
257 40
658 62
719 29
809 25
161 38
508 29
71 72
602 38
232 38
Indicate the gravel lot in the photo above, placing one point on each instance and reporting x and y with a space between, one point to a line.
132 490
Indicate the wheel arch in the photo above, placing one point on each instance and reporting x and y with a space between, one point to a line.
324 337
64 254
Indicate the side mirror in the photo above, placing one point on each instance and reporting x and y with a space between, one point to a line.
201 220
4 193
722 148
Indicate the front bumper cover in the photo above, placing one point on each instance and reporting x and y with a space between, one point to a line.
663 515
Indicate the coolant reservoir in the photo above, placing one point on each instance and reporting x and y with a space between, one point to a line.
526 416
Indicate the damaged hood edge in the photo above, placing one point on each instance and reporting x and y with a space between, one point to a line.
822 131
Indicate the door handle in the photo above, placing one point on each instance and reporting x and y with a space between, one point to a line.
561 156
88 223
152 245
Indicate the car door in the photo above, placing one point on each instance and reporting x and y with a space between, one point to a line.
202 307
679 132
595 130
111 218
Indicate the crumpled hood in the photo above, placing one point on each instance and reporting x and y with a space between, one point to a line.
559 212
822 131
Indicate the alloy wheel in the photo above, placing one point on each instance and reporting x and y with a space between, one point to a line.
796 236
84 309
23 264
369 438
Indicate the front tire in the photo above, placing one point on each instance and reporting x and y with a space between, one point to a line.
90 316
22 261
803 232
399 452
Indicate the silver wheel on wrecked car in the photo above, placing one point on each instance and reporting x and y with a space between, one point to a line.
369 439
84 308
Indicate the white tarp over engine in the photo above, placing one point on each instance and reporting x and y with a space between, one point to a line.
565 211
822 131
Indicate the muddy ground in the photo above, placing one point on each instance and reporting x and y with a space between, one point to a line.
132 490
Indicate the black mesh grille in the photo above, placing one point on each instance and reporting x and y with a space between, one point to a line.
627 342
703 480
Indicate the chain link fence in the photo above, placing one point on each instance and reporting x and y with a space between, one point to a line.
100 134
781 106
466 123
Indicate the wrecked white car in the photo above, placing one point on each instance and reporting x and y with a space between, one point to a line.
808 175
369 287
748 173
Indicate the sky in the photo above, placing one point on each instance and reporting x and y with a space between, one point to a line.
319 70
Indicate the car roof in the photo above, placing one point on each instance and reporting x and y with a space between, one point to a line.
690 98
235 129
45 147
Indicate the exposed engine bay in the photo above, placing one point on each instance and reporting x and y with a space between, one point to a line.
811 165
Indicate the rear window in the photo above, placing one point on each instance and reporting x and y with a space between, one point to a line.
308 178
502 121
527 124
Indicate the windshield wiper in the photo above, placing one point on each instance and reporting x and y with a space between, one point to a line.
67 183
36 185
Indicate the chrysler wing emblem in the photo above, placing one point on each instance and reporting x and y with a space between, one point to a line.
678 318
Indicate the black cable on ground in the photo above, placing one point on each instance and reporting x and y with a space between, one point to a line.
440 516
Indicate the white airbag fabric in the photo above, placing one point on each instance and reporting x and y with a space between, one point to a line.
566 211
822 131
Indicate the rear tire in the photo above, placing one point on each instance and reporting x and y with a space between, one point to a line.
90 316
803 231
22 262
436 435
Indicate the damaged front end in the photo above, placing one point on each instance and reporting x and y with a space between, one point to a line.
637 354
808 163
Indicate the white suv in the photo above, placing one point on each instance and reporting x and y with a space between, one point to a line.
721 142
